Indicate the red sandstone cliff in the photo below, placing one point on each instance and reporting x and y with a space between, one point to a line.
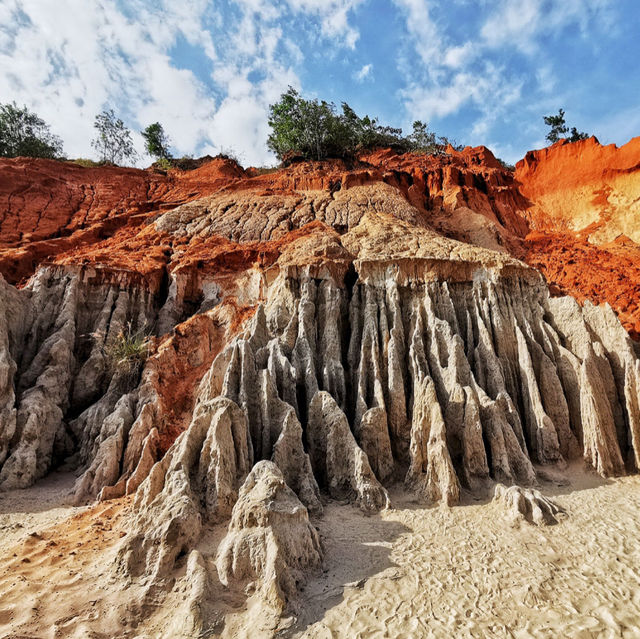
318 332
584 207
580 201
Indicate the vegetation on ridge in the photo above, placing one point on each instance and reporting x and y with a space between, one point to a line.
157 142
113 142
559 129
24 133
315 130
300 129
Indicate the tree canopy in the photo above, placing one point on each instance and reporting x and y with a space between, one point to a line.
559 129
113 142
316 129
157 142
24 133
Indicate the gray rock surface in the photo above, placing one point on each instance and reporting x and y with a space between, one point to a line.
197 480
527 505
270 545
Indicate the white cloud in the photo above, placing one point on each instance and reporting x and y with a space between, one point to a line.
458 56
364 73
333 15
520 23
72 59
424 32
447 69
513 23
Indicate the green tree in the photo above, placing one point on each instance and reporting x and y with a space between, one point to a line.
23 133
314 129
558 126
421 139
113 142
559 129
577 135
157 142
306 127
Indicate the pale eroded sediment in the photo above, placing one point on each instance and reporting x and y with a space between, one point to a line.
378 352
444 386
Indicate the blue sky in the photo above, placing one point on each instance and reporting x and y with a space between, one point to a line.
479 71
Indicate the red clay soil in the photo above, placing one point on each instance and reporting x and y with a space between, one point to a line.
581 198
49 207
181 361
63 213
569 185
608 273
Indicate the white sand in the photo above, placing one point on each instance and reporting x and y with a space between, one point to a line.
410 572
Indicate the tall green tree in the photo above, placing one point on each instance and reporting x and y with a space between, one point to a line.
113 142
157 142
559 129
24 133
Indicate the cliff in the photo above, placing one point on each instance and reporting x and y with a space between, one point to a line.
582 206
324 331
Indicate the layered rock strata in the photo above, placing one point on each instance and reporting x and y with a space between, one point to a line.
337 331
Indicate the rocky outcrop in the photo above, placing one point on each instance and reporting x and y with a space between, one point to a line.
270 546
68 319
527 505
583 186
51 207
339 463
197 480
431 472
339 331
582 203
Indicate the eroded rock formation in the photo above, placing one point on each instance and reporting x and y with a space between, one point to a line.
336 330
582 205
271 545
527 505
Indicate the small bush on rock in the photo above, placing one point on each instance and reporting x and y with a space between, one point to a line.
24 133
559 129
127 352
157 142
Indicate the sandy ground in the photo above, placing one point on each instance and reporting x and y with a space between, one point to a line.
410 572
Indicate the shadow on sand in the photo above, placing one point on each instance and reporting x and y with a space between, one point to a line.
357 547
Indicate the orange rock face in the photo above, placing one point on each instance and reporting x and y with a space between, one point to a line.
100 216
580 201
583 187
51 207
583 200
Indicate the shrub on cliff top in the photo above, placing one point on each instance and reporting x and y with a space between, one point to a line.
559 129
23 133
157 142
113 142
315 130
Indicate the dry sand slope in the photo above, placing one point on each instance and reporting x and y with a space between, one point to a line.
409 572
